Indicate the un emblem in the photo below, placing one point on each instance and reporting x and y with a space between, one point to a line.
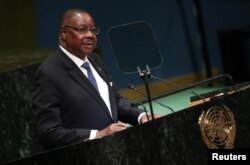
217 126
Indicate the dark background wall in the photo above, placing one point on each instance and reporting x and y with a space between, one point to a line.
17 24
30 27
173 23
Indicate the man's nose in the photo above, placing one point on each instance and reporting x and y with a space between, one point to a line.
90 33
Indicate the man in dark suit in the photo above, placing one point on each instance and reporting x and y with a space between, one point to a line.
68 107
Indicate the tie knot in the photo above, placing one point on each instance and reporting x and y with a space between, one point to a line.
85 65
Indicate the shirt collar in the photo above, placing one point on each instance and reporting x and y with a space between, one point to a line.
75 59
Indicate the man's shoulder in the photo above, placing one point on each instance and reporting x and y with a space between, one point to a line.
51 63
55 57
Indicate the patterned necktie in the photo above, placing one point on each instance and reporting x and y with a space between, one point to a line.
91 77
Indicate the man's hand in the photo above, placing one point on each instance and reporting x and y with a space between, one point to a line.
144 118
116 127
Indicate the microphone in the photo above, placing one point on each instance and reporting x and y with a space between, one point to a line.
132 87
195 85
176 86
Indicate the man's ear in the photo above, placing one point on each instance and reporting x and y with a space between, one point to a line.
63 33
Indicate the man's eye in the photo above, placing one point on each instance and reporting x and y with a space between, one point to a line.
83 29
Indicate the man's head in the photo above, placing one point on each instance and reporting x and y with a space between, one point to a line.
78 32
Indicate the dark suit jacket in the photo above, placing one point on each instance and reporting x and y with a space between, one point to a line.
66 105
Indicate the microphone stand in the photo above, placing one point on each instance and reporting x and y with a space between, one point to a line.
130 86
145 74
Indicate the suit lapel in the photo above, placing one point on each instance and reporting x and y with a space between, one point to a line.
108 82
99 70
82 80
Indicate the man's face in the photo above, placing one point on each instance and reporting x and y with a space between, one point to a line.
79 34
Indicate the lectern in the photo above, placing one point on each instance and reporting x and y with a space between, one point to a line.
183 137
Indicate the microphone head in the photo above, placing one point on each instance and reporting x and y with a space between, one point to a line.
131 86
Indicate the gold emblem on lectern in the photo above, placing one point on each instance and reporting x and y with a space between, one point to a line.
218 128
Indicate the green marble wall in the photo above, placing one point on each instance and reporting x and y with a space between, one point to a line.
19 59
16 128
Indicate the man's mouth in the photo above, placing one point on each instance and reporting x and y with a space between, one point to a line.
89 45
